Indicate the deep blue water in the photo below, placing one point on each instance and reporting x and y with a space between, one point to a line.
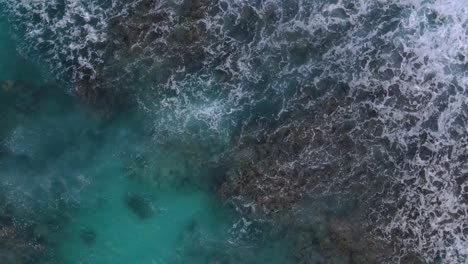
219 131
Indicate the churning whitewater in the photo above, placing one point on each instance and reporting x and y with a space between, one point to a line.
297 101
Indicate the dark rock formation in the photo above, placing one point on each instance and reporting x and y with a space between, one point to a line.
141 206
88 236
337 149
147 44
276 171
15 250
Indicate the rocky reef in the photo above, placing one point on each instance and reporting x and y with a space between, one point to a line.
14 250
19 244
290 169
335 240
148 43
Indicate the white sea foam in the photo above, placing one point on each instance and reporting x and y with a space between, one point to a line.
63 31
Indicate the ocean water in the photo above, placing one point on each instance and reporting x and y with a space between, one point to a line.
77 187
222 131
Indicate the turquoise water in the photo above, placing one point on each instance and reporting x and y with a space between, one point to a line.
84 188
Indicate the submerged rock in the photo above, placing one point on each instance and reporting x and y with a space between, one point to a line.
140 205
94 92
15 250
322 234
88 236
279 163
144 47
8 86
333 152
